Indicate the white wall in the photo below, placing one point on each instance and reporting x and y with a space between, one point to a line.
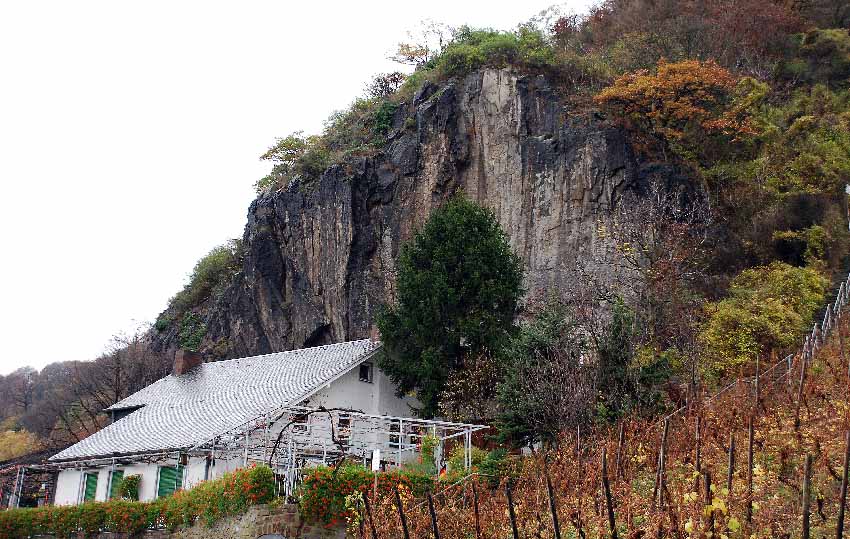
195 470
68 487
376 398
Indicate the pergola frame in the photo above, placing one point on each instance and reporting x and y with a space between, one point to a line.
293 438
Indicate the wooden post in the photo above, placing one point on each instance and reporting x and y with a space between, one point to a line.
606 488
369 515
578 441
511 512
401 514
731 472
750 435
620 441
842 500
758 386
698 456
807 479
709 515
553 506
800 393
433 516
475 509
662 462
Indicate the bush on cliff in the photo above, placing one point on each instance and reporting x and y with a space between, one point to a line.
208 502
768 309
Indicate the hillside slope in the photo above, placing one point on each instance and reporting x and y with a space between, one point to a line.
791 416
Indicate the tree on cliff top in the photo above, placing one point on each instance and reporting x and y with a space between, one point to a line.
458 285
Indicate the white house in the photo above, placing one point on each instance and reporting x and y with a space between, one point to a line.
288 410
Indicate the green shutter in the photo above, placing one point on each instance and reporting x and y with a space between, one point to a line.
170 479
91 487
116 477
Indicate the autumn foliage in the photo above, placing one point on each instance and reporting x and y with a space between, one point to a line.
680 105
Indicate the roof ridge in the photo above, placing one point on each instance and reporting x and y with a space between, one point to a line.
284 352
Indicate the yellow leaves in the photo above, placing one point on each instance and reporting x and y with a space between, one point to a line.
17 443
734 525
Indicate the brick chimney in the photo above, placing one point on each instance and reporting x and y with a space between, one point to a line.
185 361
374 334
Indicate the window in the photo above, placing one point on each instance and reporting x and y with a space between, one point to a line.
343 434
395 439
366 372
115 479
170 480
89 487
301 424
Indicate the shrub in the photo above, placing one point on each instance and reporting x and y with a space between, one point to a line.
323 491
192 332
471 49
768 308
209 277
129 487
210 501
385 84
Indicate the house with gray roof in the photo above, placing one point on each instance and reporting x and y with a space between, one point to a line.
287 410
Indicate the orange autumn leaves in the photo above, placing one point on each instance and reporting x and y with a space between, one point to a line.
683 105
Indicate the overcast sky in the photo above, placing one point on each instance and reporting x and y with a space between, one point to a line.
130 134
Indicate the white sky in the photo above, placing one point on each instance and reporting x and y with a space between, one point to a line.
130 134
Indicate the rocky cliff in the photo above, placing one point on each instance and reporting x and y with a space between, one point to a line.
320 258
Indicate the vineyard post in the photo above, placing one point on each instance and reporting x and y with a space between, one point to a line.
511 512
606 488
553 506
657 472
578 441
709 515
662 462
807 479
369 516
750 435
842 501
731 471
401 514
475 509
758 385
698 457
620 441
800 393
433 516
790 360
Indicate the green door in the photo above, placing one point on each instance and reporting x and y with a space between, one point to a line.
170 480
115 478
90 488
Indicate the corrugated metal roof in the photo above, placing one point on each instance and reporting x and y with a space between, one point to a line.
179 412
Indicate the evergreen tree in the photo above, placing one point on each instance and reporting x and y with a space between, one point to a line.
458 286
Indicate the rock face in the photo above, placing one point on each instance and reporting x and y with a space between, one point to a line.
321 258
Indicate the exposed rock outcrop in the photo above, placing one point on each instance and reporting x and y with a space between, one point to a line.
320 259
